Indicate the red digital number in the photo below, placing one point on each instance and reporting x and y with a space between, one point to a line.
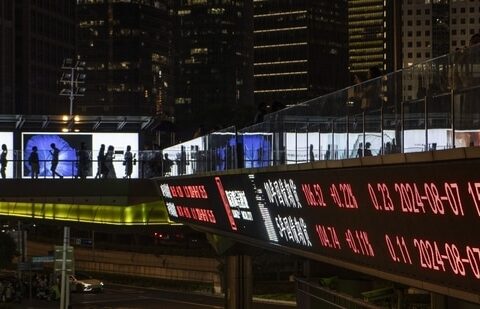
474 191
434 199
453 195
387 201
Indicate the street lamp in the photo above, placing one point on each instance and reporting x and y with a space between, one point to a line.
72 79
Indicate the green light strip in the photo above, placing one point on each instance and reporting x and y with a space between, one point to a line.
152 213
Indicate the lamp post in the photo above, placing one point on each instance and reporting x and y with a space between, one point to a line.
72 79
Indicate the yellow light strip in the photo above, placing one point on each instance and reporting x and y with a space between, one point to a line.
281 90
280 14
280 62
152 213
281 45
280 29
281 74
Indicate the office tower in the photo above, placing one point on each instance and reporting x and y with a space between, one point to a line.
126 46
464 22
7 57
425 30
300 49
374 34
432 29
44 36
213 44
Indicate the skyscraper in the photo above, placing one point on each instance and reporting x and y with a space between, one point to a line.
374 29
425 30
300 49
432 29
44 36
213 43
127 48
7 57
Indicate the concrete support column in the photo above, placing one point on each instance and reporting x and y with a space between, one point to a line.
239 281
438 301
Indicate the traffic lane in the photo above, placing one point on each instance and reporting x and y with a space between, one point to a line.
119 296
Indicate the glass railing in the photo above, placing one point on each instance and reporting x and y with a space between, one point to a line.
428 106
425 107
143 164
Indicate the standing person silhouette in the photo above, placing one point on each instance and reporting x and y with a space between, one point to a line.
128 162
83 158
54 152
3 161
327 153
368 152
34 163
166 165
109 163
360 150
101 170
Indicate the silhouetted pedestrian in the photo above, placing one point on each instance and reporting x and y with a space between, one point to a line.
34 162
109 163
128 162
167 165
312 155
55 153
360 150
101 169
83 158
327 153
3 161
368 151
262 110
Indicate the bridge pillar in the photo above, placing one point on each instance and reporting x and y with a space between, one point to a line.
438 301
239 282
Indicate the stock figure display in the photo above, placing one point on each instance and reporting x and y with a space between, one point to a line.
416 223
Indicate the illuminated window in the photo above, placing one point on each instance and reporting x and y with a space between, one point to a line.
216 11
199 50
184 12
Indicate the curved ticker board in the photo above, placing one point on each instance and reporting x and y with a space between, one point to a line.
416 221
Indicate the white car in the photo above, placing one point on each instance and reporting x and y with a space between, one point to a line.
85 283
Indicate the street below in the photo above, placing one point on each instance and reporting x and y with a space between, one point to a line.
129 297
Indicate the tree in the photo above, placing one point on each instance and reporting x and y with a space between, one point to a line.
8 250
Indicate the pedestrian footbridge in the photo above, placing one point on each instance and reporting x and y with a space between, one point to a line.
101 201
392 191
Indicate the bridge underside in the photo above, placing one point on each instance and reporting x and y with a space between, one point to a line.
131 202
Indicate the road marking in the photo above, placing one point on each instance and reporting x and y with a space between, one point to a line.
182 302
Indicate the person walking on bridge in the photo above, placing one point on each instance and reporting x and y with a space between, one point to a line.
54 152
3 161
34 163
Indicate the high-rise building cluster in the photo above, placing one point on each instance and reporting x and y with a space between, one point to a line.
213 63
35 37
208 63
127 48
300 49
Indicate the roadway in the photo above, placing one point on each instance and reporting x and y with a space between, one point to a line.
128 297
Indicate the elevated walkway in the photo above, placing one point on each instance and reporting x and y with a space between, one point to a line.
106 201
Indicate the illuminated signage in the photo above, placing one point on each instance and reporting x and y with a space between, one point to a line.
416 221
68 145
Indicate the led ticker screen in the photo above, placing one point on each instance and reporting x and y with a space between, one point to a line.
419 221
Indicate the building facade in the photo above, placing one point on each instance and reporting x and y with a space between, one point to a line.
127 49
213 43
432 29
44 37
374 34
299 48
7 57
